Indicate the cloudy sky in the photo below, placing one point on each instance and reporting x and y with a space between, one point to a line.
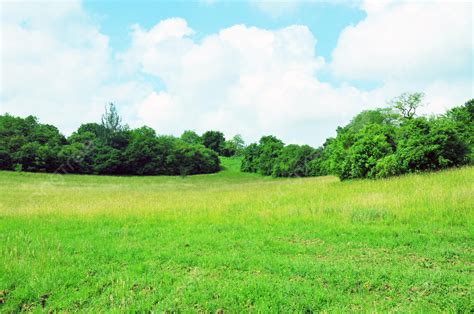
293 69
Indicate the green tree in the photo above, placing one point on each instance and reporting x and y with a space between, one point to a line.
408 103
114 133
250 158
293 161
142 152
269 150
373 143
463 119
429 145
213 140
191 137
380 116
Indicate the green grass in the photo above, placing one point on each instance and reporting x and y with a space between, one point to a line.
236 242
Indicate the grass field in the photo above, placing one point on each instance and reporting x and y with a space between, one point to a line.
236 242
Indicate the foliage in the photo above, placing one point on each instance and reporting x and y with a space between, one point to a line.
463 119
28 143
375 144
430 145
107 148
191 137
293 161
268 151
372 144
407 104
213 140
250 158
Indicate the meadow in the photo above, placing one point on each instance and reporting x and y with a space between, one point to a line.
233 241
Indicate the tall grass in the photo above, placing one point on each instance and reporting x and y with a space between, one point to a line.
232 241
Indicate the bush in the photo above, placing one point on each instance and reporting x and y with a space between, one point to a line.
430 145
109 148
213 140
371 145
250 158
387 167
268 151
293 161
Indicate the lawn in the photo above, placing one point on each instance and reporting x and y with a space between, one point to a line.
236 242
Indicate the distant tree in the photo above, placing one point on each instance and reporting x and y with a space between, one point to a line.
228 149
372 144
293 161
142 152
94 128
250 158
239 144
191 137
108 160
380 116
77 158
407 104
269 150
111 120
430 145
463 119
213 140
316 166
193 159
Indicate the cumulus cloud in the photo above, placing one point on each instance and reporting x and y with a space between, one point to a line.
241 80
407 40
57 65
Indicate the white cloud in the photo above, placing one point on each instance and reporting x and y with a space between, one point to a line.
241 80
411 46
407 40
57 65
159 110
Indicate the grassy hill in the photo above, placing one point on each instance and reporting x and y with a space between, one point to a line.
232 241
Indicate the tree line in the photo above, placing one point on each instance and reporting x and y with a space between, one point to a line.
109 147
375 144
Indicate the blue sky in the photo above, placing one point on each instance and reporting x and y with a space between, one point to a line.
293 69
325 21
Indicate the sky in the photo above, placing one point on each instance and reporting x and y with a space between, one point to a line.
293 69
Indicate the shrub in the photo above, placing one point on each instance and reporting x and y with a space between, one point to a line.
293 161
388 166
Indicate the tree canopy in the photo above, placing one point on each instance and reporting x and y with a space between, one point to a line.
375 144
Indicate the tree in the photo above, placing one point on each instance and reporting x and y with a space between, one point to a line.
239 144
213 140
429 145
250 158
107 148
372 144
228 149
112 131
463 119
380 116
111 120
142 152
293 161
407 104
76 157
269 150
191 137
193 159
